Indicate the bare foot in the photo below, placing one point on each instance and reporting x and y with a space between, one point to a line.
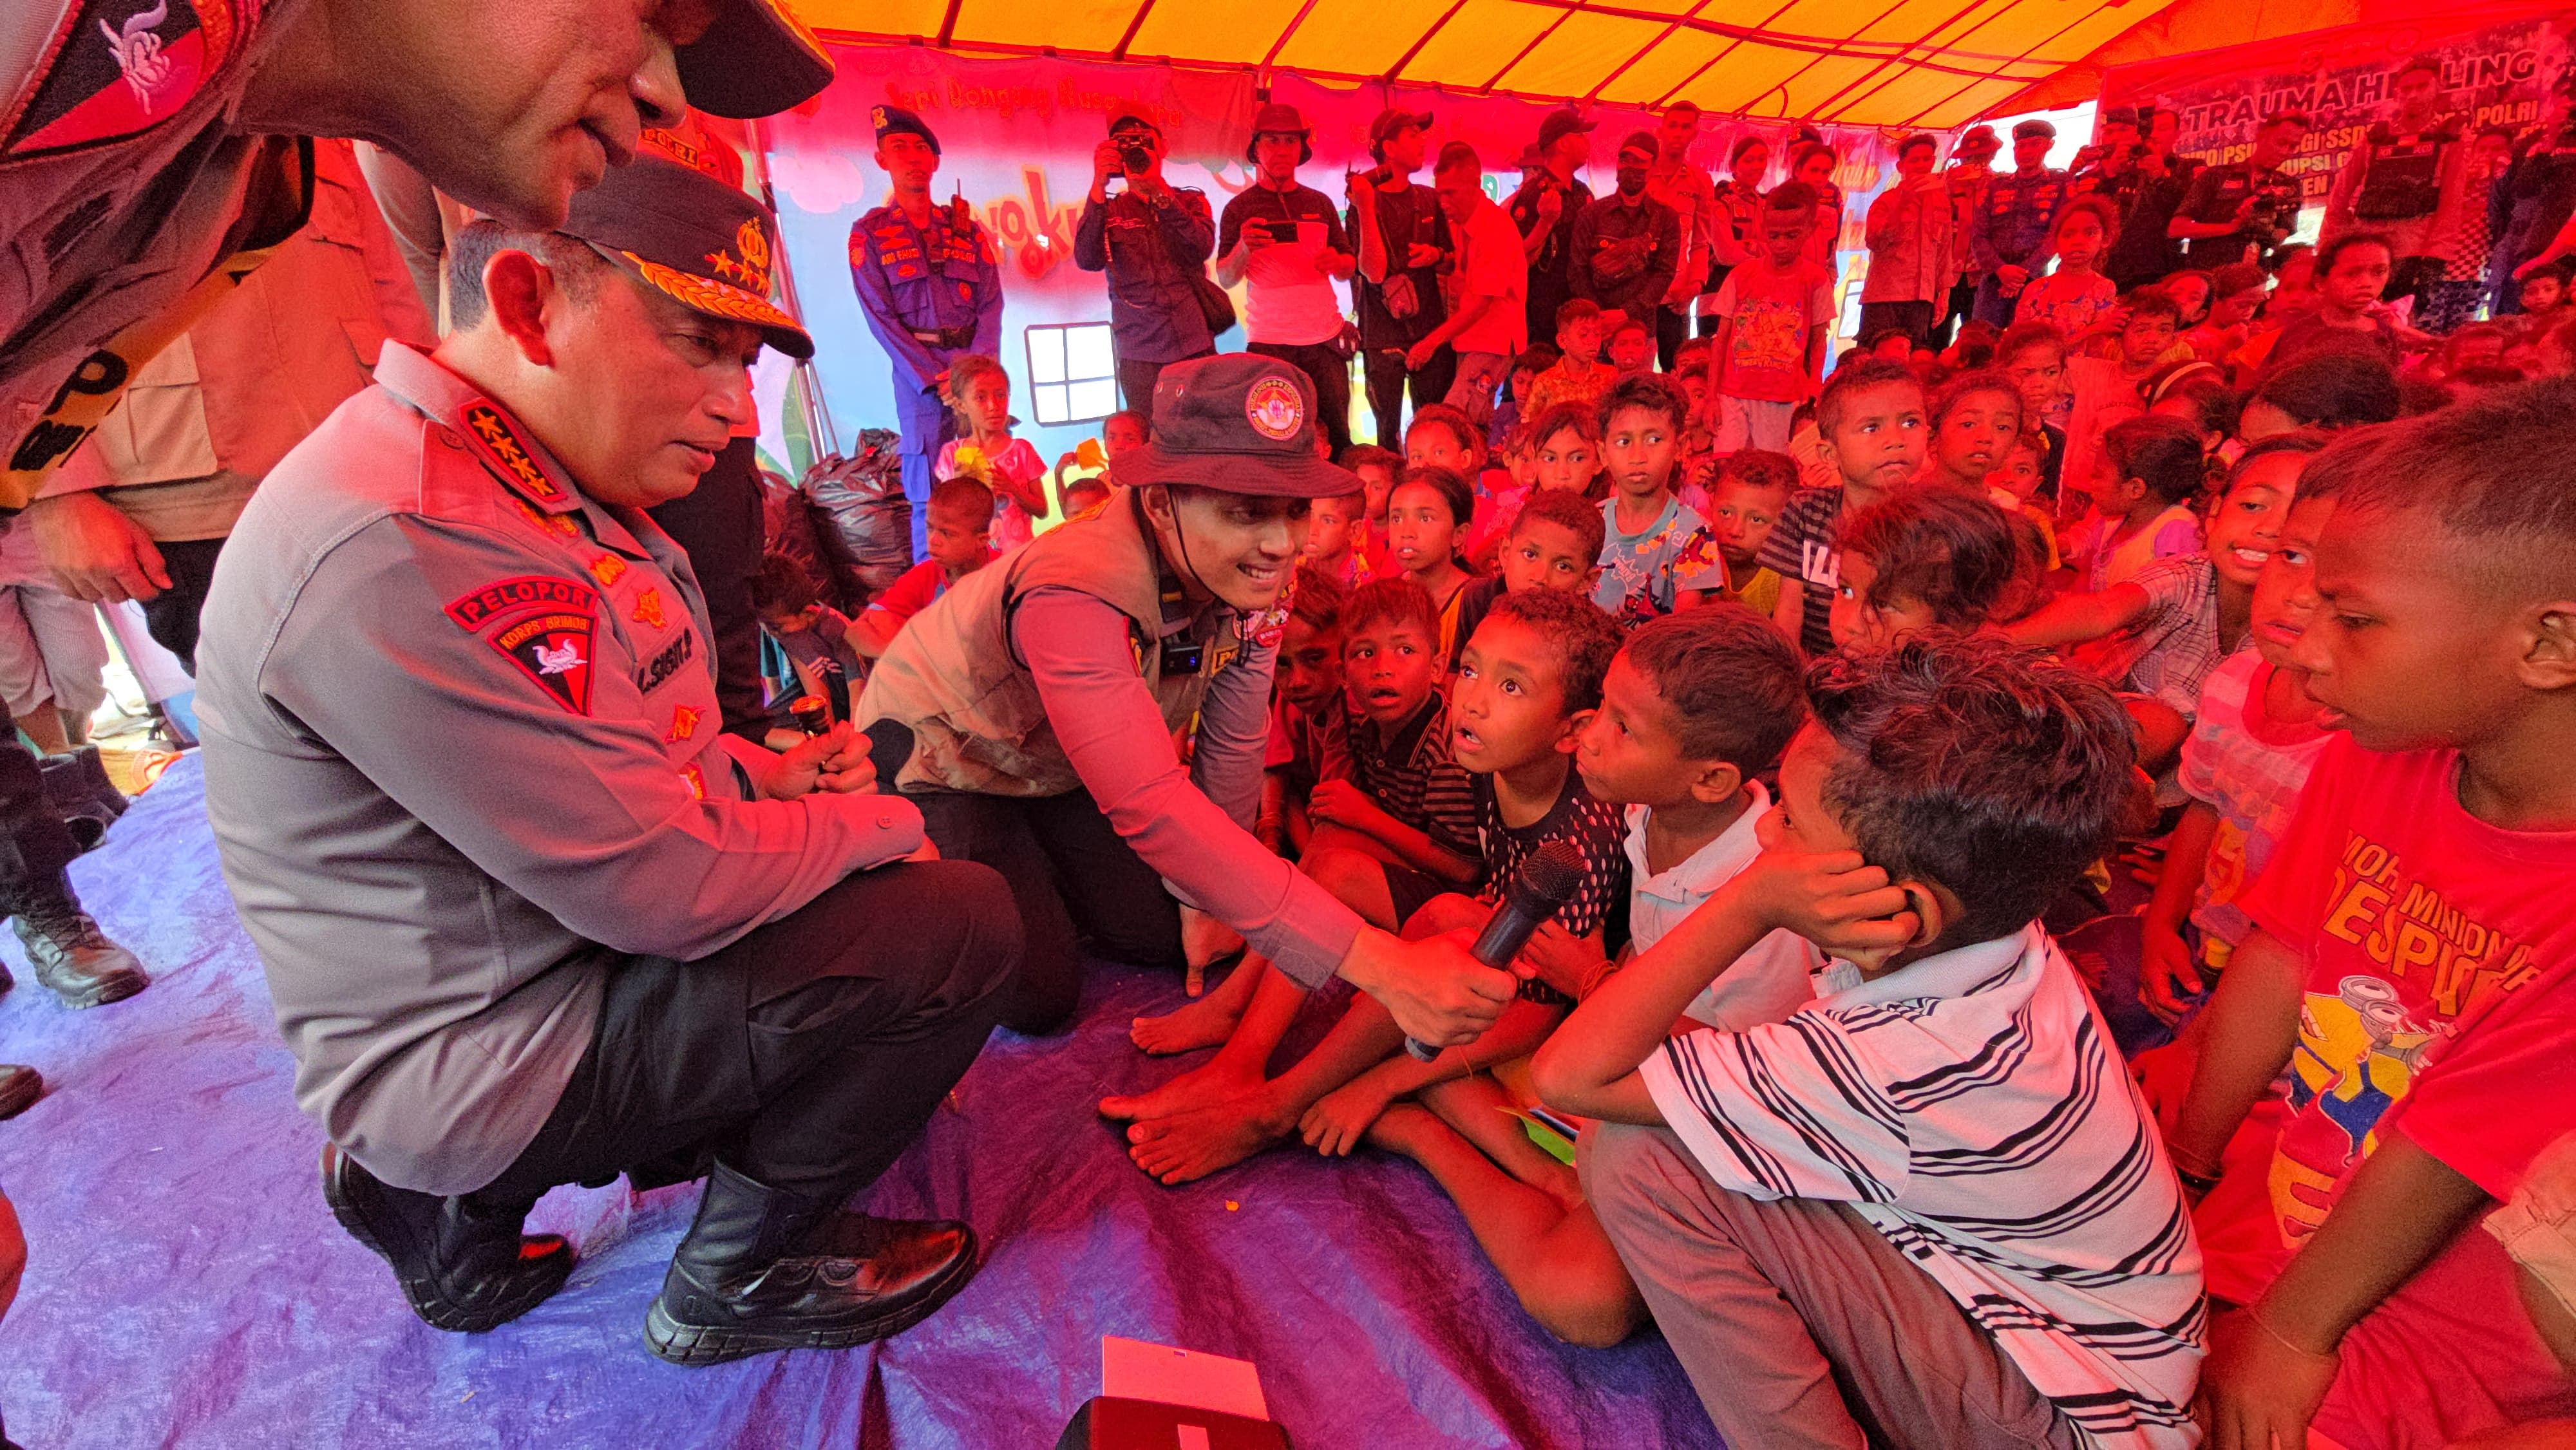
1404 1128
1201 1087
1207 1022
1195 1144
1334 1125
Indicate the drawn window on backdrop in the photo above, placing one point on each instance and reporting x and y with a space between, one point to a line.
1073 372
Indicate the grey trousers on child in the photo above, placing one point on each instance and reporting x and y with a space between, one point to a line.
1799 1325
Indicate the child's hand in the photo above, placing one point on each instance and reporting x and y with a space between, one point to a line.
2256 1389
1340 803
1834 899
2164 1076
2168 979
1335 1125
1559 958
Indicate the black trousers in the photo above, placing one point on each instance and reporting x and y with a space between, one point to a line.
807 1055
171 615
718 524
35 845
1136 379
1387 378
1077 883
1672 329
1332 375
1914 319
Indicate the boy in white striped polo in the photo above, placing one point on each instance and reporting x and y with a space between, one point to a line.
1929 1209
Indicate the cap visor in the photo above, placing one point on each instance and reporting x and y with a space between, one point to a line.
1261 475
721 301
756 59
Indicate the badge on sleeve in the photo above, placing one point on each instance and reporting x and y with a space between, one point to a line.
542 625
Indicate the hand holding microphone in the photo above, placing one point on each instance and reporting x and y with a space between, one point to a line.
1544 884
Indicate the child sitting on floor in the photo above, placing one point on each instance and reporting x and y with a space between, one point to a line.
960 522
815 636
1083 496
1976 420
1555 543
1333 536
1579 375
1565 446
2015 485
1630 348
1376 469
2178 617
1753 488
1513 409
1309 724
1694 711
1531 678
1929 558
2409 965
980 394
2105 392
1930 1201
1658 555
1425 516
1871 419
2145 477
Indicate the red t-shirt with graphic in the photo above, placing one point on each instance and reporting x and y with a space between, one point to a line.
1774 310
2439 1003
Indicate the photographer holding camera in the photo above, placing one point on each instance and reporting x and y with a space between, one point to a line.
1403 239
1152 238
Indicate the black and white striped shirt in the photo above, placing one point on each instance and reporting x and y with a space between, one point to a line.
1971 1107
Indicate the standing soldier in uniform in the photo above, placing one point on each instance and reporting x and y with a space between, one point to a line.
2011 234
932 292
170 183
2405 181
528 914
1152 238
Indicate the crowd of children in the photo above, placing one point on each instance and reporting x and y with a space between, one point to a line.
2199 625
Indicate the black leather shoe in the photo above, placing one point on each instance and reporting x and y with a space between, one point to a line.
763 1270
460 1269
73 957
19 1088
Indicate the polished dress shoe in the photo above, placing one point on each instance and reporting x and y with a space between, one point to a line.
461 1267
19 1088
72 956
763 1269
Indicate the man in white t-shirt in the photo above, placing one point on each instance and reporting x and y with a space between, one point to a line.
1487 324
1286 243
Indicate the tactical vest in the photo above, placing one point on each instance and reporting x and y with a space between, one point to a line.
2405 176
953 676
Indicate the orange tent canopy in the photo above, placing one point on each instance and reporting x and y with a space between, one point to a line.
1896 63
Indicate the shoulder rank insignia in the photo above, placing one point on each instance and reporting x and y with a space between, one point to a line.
489 433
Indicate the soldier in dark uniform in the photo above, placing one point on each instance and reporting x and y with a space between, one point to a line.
2009 242
529 917
2247 204
2407 182
932 291
122 222
1543 212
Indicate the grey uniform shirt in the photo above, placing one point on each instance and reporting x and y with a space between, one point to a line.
462 754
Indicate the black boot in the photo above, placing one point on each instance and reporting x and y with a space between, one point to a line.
19 1088
762 1270
461 1268
70 954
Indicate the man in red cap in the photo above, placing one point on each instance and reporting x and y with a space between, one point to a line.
528 915
1285 242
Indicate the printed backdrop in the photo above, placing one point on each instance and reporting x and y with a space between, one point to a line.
2497 63
1016 138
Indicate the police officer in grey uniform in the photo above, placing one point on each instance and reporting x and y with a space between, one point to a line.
529 916
931 289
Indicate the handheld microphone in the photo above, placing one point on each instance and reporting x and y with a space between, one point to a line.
1545 882
889 750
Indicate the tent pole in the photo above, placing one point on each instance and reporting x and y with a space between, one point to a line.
818 416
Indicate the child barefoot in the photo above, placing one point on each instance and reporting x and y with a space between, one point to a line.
1533 675
1694 710
981 394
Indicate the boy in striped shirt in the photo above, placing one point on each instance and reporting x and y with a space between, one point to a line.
1929 1208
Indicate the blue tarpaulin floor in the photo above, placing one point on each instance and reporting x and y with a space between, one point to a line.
187 1287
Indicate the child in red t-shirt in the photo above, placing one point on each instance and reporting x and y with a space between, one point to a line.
2410 965
961 541
1778 312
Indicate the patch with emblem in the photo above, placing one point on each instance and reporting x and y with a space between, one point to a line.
695 780
659 670
1274 409
607 569
1265 629
561 524
489 434
119 67
552 648
684 723
648 608
509 596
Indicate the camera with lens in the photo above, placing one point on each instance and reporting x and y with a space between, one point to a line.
1135 158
